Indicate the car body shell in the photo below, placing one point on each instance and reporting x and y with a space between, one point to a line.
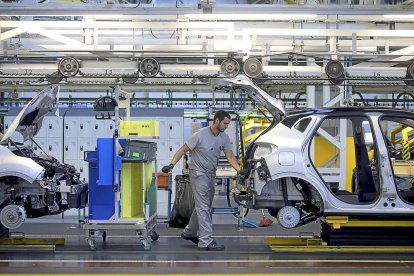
291 158
31 184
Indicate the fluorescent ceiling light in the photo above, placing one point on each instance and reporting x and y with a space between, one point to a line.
103 16
244 17
399 16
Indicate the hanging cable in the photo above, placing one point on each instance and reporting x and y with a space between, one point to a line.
153 34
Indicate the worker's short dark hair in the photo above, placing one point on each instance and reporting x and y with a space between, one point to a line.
220 115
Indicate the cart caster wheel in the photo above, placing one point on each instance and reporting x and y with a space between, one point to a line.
154 236
104 236
93 245
147 244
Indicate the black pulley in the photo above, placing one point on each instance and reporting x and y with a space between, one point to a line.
252 67
130 79
334 69
337 81
68 66
54 78
149 67
230 67
410 70
105 103
410 75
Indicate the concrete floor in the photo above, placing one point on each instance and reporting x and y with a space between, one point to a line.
246 252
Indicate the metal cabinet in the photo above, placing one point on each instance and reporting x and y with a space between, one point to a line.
71 127
54 148
71 149
86 144
87 127
175 128
51 127
8 120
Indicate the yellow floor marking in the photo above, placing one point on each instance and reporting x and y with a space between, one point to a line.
373 249
32 241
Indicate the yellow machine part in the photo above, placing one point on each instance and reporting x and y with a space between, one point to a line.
325 151
406 142
139 129
136 179
399 129
403 168
336 222
350 162
252 128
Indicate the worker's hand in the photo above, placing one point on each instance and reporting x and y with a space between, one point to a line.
243 173
168 168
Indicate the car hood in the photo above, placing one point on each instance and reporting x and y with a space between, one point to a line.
29 121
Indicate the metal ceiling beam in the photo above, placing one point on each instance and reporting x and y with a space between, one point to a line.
15 32
63 9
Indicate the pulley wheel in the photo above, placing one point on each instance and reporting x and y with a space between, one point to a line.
410 71
54 78
68 66
130 79
334 69
201 79
337 81
288 217
230 67
252 67
12 216
410 75
149 67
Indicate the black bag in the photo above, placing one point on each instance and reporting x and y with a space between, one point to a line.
183 203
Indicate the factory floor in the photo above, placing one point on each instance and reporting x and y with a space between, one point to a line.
246 252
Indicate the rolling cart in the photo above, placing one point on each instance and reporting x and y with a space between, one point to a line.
122 189
130 205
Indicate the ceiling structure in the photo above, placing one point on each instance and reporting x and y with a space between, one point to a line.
155 45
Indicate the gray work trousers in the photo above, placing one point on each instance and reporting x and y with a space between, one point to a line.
200 224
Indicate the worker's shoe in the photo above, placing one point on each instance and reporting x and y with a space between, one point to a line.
213 246
192 239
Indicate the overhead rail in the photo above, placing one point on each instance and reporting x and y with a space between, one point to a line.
163 71
146 101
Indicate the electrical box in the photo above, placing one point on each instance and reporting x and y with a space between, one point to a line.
149 129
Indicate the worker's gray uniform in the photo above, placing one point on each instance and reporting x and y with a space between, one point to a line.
206 150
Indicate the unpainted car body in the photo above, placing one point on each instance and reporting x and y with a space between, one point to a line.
294 176
35 185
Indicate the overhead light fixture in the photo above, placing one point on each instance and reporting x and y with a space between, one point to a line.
103 16
399 16
249 17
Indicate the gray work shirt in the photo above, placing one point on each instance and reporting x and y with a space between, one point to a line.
206 149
